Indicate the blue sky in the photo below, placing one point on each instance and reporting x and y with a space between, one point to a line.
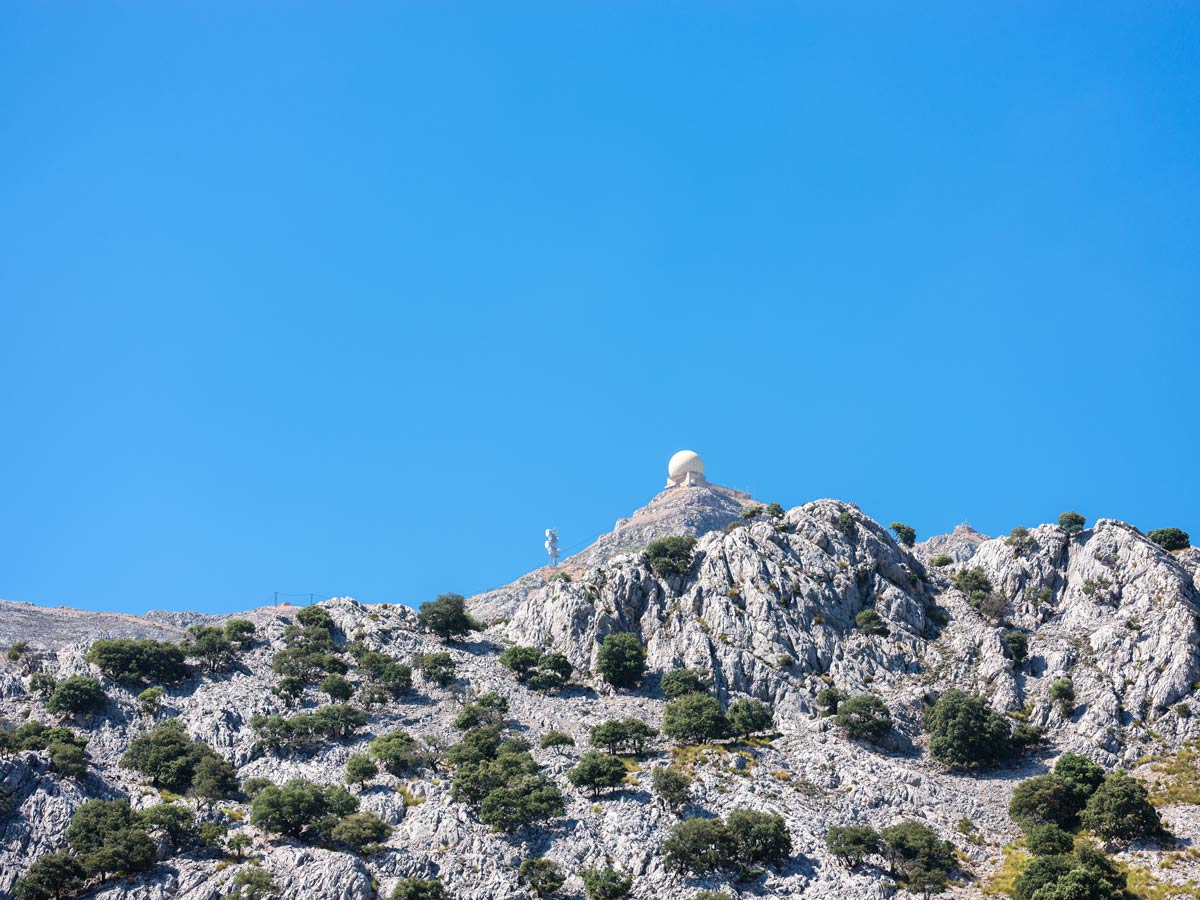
359 298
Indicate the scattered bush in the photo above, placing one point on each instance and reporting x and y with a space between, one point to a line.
419 889
1043 800
132 661
77 694
679 682
541 671
487 709
853 844
870 622
556 740
917 856
252 883
1170 539
360 831
597 772
1120 810
542 876
209 645
502 778
1019 539
1071 522
17 650
621 660
905 534
447 617
695 718
301 808
107 839
748 716
1048 840
336 687
1016 646
865 717
615 735
606 884
41 683
1062 691
672 785
289 689
966 733
829 699
360 769
167 756
240 632
52 875
149 700
437 668
845 523
938 560
670 555
396 751
746 838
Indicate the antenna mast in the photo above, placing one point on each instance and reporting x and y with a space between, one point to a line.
552 546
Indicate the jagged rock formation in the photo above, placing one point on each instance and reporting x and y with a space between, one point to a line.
769 609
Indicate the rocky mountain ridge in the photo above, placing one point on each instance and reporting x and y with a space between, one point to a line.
769 609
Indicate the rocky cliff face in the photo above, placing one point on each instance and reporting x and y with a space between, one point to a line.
769 609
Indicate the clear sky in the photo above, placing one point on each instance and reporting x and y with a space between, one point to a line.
358 298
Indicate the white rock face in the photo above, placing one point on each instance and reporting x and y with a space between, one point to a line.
769 609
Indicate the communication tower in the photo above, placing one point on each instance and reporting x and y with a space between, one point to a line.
552 545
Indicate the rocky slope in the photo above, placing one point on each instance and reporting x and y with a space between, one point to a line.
769 609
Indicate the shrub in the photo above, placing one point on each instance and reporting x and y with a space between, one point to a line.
419 889
1071 522
337 687
17 650
289 689
865 717
522 803
629 734
77 694
672 785
240 632
914 849
167 756
360 769
870 622
775 511
1048 840
1016 646
149 700
759 837
621 660
447 617
488 709
1170 538
964 732
905 534
123 659
437 668
214 779
606 884
252 883
1019 539
315 617
697 845
543 877
395 751
556 740
520 660
52 875
1120 809
172 820
597 772
1043 800
335 721
1081 775
67 759
209 645
670 555
107 839
1062 691
853 844
829 699
294 808
553 671
938 560
679 682
360 830
694 718
396 678
41 683
748 716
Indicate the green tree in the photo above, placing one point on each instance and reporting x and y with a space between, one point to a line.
67 759
1071 522
51 877
868 621
556 740
1080 774
213 780
166 755
1043 800
553 671
1048 840
759 837
107 840
845 523
209 645
338 688
679 682
1042 872
913 847
123 659
621 734
1170 538
396 678
290 689
853 844
672 785
1062 691
419 889
694 718
1016 646
240 632
360 769
252 883
240 843
487 709
396 751
748 716
621 660
17 650
521 802
698 845
964 732
1120 810
447 617
865 717
905 534
77 694
597 772
316 617
939 560
543 877
360 830
172 820
438 668
606 884
149 700
829 699
298 805
520 660
670 555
